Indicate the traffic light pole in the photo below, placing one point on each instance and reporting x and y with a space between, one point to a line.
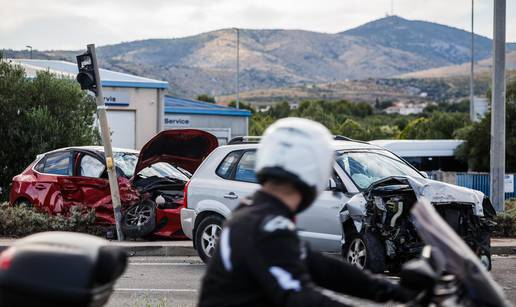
108 150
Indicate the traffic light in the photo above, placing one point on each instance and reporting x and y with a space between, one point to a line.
86 75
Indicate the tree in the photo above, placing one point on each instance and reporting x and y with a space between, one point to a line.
206 98
438 126
476 149
39 115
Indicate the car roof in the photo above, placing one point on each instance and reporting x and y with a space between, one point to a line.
98 149
337 144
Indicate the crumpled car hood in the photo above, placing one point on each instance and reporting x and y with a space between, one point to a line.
441 192
185 148
426 189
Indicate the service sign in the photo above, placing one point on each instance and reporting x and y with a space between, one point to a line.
177 121
509 183
116 98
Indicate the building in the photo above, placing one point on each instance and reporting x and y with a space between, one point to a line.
135 104
427 155
223 122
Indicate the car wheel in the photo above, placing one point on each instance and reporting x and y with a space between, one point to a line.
207 235
365 251
139 220
23 203
484 251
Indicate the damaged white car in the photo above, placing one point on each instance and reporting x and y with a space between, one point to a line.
379 233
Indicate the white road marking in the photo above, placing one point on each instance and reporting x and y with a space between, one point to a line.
153 290
165 263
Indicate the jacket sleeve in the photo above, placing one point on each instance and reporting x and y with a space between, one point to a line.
334 274
278 265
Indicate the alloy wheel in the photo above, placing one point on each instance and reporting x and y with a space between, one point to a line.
357 253
209 238
138 215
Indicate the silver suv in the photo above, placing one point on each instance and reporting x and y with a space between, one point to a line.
336 222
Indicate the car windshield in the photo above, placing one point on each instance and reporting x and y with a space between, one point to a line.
163 169
366 167
126 161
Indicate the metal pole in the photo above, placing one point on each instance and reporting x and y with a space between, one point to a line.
108 150
497 171
472 114
30 50
238 69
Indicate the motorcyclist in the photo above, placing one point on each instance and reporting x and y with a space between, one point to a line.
259 260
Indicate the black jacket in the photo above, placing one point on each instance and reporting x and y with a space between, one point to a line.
260 261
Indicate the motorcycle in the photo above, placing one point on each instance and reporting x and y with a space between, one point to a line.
59 269
448 273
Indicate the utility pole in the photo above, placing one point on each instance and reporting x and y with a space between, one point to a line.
237 68
89 78
472 114
30 50
497 169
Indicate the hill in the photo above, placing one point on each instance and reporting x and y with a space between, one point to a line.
205 63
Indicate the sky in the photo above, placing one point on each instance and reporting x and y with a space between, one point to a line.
71 24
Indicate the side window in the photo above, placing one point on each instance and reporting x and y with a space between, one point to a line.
91 167
40 165
57 164
226 166
245 167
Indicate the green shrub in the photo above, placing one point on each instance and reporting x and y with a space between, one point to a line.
20 221
506 221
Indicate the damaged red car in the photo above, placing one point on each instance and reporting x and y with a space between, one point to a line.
151 181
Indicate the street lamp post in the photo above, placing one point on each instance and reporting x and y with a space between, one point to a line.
497 161
30 51
472 114
237 68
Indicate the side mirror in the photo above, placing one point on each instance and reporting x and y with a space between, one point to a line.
425 174
332 185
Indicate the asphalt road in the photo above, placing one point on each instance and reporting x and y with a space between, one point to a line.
175 281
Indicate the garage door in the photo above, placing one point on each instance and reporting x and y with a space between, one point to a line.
123 126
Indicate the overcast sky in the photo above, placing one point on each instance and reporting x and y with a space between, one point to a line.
71 24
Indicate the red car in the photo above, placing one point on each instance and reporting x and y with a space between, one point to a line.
151 182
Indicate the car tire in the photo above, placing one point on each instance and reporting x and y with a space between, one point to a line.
139 220
484 251
23 203
206 236
365 251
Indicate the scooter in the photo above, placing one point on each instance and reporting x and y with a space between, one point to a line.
448 273
59 269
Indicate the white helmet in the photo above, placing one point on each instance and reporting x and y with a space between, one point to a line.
297 150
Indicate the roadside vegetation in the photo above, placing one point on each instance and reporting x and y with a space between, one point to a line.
40 114
20 221
506 221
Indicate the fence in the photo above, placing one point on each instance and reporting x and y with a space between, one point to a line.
480 181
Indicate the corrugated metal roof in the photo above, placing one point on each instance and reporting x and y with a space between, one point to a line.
108 77
187 106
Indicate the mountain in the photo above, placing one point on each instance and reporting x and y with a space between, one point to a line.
482 68
206 63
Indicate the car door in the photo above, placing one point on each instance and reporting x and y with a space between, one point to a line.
320 224
244 176
50 173
89 184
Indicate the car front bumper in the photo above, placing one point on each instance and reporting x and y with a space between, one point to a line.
188 221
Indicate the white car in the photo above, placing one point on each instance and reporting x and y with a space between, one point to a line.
332 223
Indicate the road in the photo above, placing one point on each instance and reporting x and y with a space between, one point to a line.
174 281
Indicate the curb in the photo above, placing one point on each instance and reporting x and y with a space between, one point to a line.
160 251
149 250
189 251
